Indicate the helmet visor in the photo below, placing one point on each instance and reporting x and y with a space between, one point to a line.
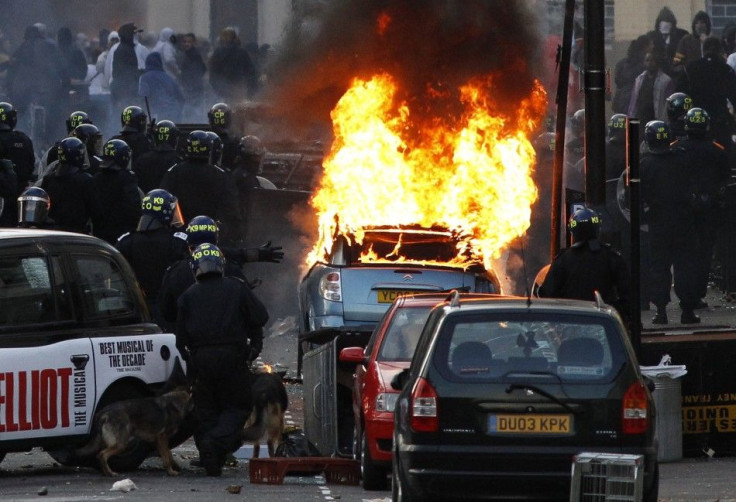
32 209
177 220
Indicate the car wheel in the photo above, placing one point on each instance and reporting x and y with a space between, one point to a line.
398 489
374 476
126 461
2 456
653 494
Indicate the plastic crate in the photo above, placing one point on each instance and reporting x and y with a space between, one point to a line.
604 477
271 471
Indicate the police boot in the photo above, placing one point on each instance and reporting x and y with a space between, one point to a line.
689 317
660 317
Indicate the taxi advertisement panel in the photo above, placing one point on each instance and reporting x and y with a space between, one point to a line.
46 391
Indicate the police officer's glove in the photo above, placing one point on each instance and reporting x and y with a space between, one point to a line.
269 253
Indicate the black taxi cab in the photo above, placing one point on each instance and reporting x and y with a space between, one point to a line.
75 335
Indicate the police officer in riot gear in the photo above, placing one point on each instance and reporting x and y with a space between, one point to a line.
219 331
200 230
134 121
587 266
205 189
708 161
91 136
678 104
220 118
152 166
666 179
116 187
18 148
154 245
33 209
75 118
216 147
70 187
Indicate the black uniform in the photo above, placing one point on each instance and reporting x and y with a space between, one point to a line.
220 326
708 161
152 166
137 141
73 202
18 148
586 267
150 253
229 149
116 190
178 278
8 194
666 181
205 189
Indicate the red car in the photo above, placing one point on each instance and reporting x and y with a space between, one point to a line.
389 350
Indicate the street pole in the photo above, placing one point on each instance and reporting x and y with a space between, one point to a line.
632 154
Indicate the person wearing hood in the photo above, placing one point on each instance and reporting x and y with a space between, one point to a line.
124 65
690 47
666 36
165 47
162 90
232 73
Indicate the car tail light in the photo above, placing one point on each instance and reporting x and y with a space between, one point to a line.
635 410
329 287
386 401
424 416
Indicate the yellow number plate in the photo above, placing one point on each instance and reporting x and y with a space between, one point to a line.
530 424
389 295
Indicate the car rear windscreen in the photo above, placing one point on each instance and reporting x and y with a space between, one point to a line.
564 347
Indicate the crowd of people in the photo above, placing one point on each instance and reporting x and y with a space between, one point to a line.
173 205
178 74
681 86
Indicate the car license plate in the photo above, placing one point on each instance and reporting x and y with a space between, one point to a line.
389 295
530 424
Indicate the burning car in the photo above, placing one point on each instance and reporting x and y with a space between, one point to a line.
366 270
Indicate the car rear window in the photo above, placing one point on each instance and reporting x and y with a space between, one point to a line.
26 292
498 346
400 246
402 334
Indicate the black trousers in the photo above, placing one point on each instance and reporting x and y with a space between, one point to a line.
222 397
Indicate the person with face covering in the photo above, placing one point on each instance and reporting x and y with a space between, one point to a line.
165 47
666 36
690 47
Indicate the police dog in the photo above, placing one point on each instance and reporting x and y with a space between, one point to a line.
151 419
270 402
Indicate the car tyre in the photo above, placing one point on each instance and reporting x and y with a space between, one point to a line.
374 476
653 494
398 489
2 455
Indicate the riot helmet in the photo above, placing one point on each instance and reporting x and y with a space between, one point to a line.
91 136
697 122
617 127
8 117
251 152
198 145
165 132
33 207
133 119
207 259
577 123
75 119
202 229
216 146
219 116
677 106
585 225
116 155
160 210
72 152
657 136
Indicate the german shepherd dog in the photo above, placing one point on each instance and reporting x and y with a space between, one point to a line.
270 401
151 419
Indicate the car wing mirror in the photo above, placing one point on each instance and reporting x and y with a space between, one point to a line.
651 385
354 355
399 379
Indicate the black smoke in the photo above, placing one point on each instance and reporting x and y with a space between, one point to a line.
430 47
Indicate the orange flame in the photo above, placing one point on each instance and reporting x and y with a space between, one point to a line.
469 174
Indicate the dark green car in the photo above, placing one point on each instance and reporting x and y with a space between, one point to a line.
503 393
